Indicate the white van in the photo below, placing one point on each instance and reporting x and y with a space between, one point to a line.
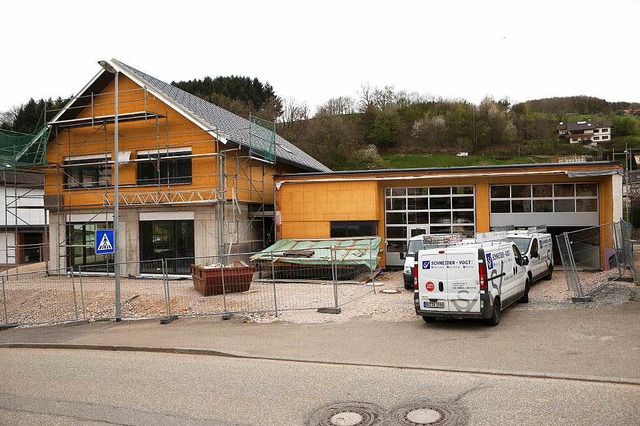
537 247
475 280
415 244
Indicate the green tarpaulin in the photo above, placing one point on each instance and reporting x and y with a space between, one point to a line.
346 251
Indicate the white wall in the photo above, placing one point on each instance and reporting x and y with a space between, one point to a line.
7 250
12 198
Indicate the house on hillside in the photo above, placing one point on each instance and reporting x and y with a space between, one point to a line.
587 132
194 180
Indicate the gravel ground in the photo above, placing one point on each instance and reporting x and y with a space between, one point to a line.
37 298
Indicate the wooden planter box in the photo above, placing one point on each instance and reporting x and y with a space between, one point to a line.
208 281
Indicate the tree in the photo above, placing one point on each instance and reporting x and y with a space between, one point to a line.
384 134
240 95
30 117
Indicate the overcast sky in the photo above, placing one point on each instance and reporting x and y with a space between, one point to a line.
316 50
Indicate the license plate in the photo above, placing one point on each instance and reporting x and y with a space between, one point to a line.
434 304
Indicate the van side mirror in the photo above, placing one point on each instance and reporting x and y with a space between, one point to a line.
402 255
525 260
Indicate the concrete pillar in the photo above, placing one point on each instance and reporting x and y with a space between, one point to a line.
55 240
205 228
129 241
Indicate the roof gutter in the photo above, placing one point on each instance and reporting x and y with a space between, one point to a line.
416 177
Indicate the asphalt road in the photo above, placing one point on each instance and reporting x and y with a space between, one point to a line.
73 387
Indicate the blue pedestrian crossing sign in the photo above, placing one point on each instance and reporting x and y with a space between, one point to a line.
105 241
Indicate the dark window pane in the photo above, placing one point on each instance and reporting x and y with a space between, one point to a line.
542 206
462 189
563 190
587 205
521 206
398 218
463 217
500 207
353 228
163 169
521 191
440 217
418 218
565 206
500 191
440 230
440 190
398 192
396 232
418 204
396 246
466 231
586 190
462 202
417 191
543 191
396 203
440 203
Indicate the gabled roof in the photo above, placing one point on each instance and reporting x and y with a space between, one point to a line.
209 117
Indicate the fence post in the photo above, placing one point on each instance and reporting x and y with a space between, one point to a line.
4 300
84 307
73 287
165 277
372 266
334 276
225 314
273 279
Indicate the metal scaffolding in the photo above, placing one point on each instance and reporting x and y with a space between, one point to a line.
238 173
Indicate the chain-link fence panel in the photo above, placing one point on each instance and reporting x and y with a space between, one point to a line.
40 297
591 257
623 234
142 290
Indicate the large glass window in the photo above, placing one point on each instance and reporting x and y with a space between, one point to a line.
435 209
545 198
171 239
87 172
81 243
164 167
341 229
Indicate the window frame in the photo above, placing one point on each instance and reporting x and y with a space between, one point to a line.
162 167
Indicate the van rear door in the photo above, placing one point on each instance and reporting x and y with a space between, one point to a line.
448 280
463 291
432 279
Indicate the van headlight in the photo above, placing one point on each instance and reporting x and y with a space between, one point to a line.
407 269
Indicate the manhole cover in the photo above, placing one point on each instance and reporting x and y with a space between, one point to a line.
346 414
424 413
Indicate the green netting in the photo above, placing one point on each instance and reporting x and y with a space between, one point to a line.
262 138
17 149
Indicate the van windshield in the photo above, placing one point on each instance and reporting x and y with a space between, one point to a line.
414 246
521 242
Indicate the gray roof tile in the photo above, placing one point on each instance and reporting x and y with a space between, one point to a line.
236 127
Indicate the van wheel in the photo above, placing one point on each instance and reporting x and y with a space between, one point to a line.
549 273
525 296
429 319
495 316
